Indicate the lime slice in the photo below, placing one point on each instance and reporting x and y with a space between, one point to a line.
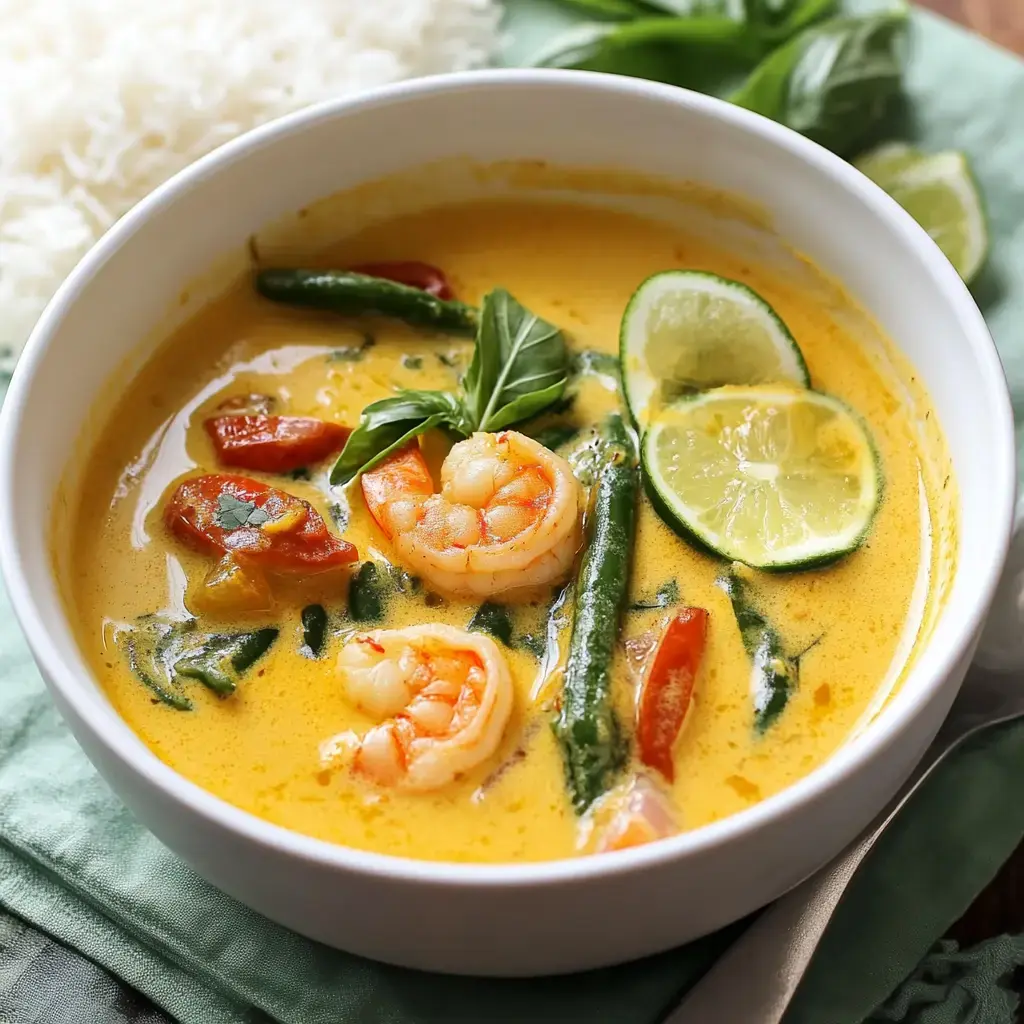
685 331
773 476
940 193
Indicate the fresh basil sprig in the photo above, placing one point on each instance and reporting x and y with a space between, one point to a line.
834 82
520 366
390 423
707 45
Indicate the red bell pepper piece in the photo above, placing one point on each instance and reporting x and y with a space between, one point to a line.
411 272
667 688
274 444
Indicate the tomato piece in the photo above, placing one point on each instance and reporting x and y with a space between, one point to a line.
668 688
260 525
274 444
411 272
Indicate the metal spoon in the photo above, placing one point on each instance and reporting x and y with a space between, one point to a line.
773 954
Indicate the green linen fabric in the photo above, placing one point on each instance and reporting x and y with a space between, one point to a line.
76 866
959 987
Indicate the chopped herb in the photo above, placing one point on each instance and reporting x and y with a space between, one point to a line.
353 353
403 582
339 512
449 359
412 362
665 596
534 643
495 620
366 594
233 513
314 630
774 677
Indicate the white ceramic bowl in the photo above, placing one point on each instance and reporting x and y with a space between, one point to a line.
531 918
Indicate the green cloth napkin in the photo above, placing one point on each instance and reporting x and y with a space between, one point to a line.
74 864
954 987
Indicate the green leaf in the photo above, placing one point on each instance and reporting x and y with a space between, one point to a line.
163 655
519 366
609 8
493 619
314 630
353 353
232 513
795 16
217 660
367 594
709 53
390 423
773 676
834 82
664 597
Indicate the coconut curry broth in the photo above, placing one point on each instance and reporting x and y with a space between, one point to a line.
258 749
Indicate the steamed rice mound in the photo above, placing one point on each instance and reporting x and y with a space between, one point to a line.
102 100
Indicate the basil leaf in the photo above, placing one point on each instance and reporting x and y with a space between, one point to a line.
163 655
390 423
834 82
709 53
609 8
780 21
494 619
314 630
219 659
520 364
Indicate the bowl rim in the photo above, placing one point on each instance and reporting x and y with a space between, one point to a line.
935 663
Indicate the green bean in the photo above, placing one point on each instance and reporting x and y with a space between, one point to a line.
587 726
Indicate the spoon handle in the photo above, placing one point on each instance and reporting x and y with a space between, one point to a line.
773 954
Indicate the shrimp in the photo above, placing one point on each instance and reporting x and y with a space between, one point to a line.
507 517
443 697
641 815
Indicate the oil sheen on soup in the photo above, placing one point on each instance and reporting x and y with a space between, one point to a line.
498 640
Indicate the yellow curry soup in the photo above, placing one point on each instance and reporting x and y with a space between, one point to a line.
261 748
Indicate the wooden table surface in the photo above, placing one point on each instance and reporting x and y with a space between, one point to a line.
1000 20
1001 907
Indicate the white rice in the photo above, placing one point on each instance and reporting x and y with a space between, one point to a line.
102 100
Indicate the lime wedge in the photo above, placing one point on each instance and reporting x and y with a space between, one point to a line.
940 193
684 331
773 476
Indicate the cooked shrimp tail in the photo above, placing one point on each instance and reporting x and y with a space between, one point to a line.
507 517
442 697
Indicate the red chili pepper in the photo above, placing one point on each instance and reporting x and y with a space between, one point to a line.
274 444
668 688
411 272
262 525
